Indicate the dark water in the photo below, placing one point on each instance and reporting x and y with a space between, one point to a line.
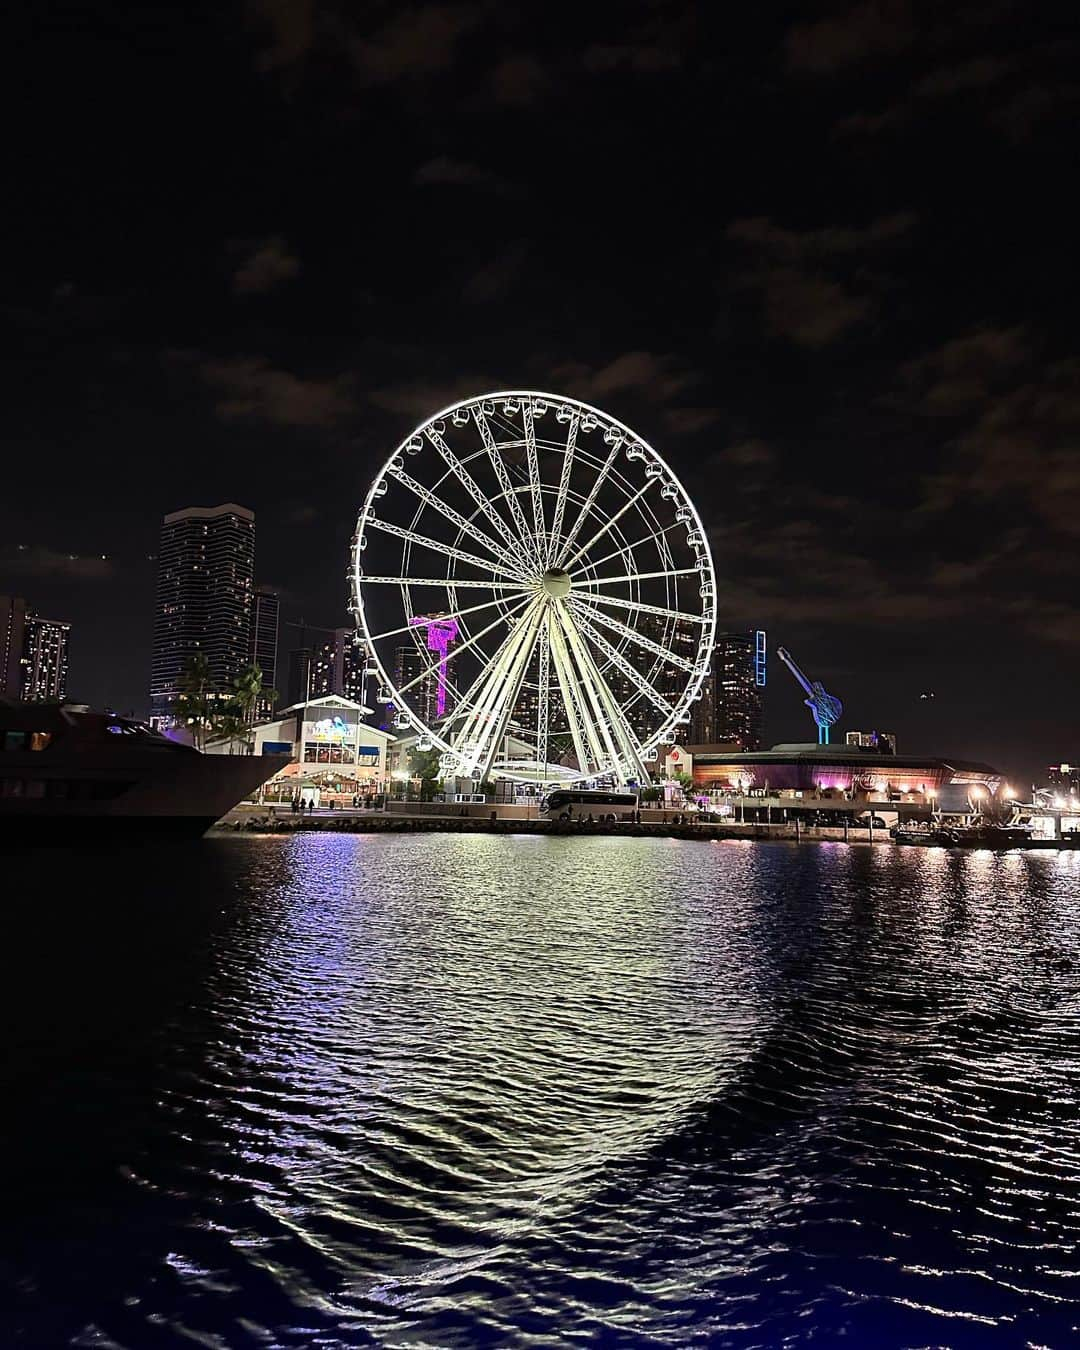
472 1090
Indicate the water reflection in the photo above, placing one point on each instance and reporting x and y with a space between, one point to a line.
455 1090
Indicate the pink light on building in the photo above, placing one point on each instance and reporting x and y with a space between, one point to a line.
440 634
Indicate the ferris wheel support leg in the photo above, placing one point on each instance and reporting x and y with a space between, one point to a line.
578 722
509 693
600 721
480 694
627 758
476 739
543 653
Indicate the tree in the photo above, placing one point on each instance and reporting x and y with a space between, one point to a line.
424 765
685 782
194 704
247 690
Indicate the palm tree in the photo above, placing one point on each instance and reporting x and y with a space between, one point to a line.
247 691
194 703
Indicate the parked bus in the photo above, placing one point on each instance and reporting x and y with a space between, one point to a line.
580 803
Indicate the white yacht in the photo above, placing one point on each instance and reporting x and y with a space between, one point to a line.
67 772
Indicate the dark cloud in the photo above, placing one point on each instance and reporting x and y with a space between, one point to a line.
381 43
519 81
801 276
445 171
250 388
661 375
867 32
495 278
639 58
34 561
266 265
415 40
417 399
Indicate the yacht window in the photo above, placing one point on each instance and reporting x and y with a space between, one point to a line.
14 740
39 740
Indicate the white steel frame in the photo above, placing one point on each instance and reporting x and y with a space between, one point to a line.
560 516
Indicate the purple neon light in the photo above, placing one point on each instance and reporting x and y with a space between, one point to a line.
440 634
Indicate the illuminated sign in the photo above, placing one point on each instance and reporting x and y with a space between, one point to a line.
329 729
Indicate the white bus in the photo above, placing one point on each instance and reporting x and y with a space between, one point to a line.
580 803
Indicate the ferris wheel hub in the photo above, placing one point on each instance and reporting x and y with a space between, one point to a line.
556 583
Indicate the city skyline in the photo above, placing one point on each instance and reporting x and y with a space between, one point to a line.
852 342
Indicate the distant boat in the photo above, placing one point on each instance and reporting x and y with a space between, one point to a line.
963 836
67 772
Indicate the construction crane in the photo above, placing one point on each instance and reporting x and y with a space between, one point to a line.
824 708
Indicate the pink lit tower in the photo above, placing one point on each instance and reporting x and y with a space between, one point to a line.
441 634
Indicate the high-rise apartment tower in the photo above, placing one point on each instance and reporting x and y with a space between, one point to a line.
206 566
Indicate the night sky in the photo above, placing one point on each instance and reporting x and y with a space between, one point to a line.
823 259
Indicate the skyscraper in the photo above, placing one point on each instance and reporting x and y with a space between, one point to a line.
732 706
264 646
12 637
33 654
45 660
333 666
206 566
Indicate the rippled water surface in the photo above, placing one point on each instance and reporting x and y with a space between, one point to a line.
471 1090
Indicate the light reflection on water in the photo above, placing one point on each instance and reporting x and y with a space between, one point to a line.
470 1089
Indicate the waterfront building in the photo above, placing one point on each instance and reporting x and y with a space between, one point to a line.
12 637
264 646
332 749
33 654
814 769
732 704
205 588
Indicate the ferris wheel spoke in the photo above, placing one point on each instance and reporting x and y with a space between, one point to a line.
638 543
597 616
509 492
457 651
563 490
636 605
456 518
625 668
590 500
454 614
469 483
609 524
639 576
534 471
448 583
448 550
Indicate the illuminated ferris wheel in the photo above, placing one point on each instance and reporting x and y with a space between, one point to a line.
534 591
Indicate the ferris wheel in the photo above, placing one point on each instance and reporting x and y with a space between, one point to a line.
534 591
